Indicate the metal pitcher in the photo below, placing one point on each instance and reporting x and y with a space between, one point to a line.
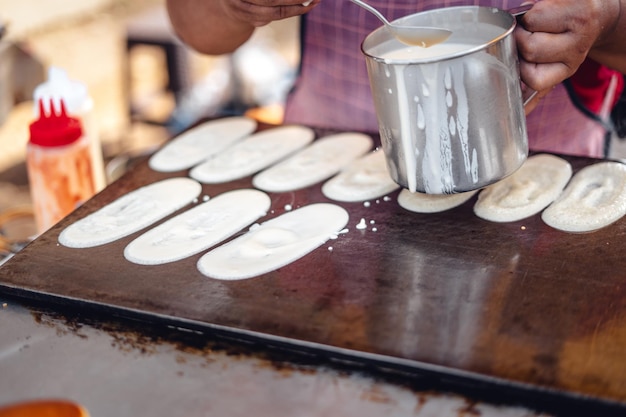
451 119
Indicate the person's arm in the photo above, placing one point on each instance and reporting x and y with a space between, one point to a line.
220 26
556 36
610 49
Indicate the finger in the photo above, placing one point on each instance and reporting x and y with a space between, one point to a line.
544 17
563 16
276 3
260 15
547 48
544 47
543 76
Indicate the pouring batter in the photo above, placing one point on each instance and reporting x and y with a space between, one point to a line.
555 39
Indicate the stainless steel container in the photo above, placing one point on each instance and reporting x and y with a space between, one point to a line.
451 119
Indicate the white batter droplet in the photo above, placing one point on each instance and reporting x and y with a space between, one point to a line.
275 243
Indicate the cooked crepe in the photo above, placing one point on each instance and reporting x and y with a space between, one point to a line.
201 142
536 184
365 179
595 198
131 213
198 228
252 154
431 203
317 162
275 243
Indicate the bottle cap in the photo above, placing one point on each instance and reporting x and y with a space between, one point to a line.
54 129
60 87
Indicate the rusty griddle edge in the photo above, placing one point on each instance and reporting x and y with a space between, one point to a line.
424 376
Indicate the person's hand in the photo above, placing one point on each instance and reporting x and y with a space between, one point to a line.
261 12
555 37
216 27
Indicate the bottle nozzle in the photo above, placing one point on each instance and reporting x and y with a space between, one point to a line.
56 128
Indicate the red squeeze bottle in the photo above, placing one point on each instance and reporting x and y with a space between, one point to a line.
59 166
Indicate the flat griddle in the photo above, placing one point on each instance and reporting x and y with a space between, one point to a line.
517 303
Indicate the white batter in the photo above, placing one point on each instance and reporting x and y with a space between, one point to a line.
201 142
253 154
536 184
199 228
595 198
130 213
315 163
435 153
364 179
432 203
275 243
413 53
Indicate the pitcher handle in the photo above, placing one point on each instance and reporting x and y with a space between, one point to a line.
527 98
527 93
520 10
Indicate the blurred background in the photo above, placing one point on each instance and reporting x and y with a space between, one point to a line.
145 85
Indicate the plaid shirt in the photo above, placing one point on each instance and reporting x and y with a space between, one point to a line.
333 90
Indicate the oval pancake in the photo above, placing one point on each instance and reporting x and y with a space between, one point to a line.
364 179
536 184
131 212
254 153
317 162
432 203
275 243
198 228
595 198
201 142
